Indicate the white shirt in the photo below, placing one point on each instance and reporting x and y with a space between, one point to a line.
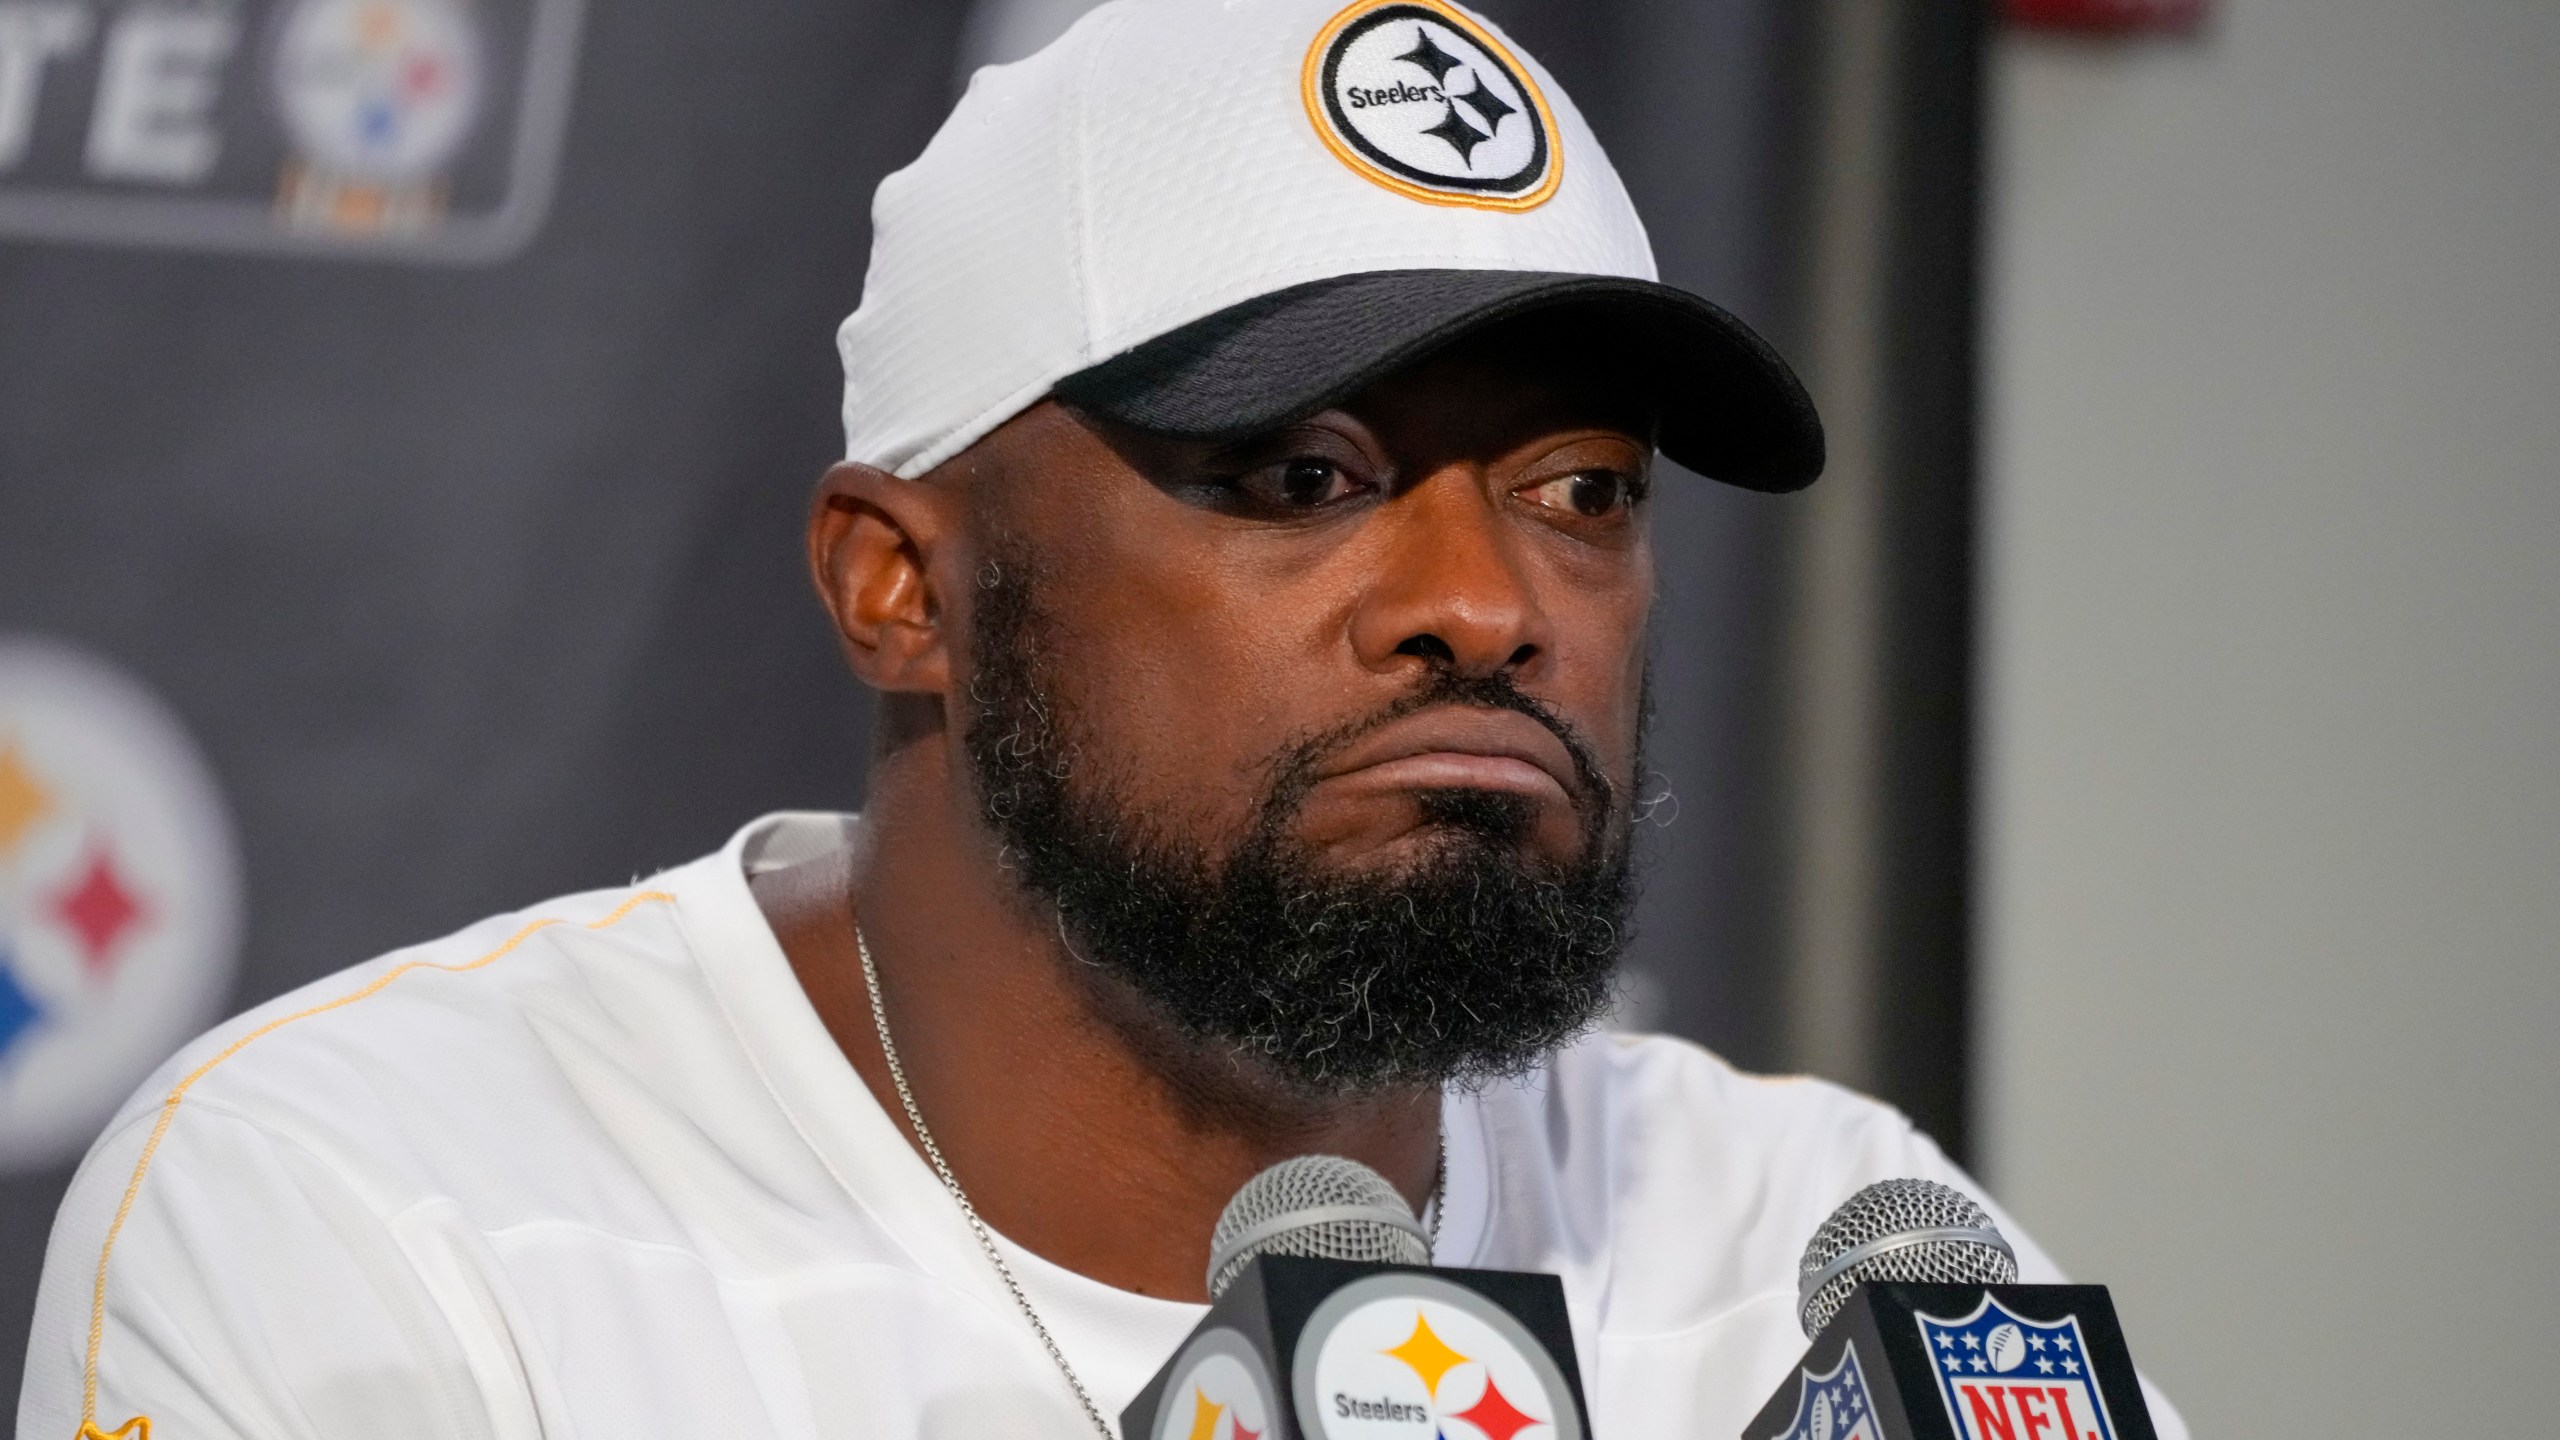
598 1170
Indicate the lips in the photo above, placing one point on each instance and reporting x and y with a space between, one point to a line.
1459 747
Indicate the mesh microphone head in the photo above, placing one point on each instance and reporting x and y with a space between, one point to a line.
1916 1230
1319 1205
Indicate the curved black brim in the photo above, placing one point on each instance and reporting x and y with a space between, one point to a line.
1729 408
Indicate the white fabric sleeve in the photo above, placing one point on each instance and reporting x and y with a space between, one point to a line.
252 1294
2034 1266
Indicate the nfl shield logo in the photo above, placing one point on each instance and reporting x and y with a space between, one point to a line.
1833 1405
2005 1377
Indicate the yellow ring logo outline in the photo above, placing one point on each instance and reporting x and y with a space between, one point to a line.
1311 93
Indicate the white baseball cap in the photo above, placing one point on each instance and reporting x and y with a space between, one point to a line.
1211 217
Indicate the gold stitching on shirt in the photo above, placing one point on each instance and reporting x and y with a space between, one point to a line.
139 1427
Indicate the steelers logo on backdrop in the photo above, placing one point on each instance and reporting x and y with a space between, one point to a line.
1423 100
379 97
1218 1392
1413 1357
119 895
383 90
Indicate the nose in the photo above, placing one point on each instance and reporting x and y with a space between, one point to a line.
1451 588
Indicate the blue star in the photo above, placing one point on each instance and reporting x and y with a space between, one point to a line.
19 1011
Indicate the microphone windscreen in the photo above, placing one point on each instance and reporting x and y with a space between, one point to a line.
1316 1205
1914 1230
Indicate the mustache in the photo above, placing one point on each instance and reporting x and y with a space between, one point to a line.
1293 770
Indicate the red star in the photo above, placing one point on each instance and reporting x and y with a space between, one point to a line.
99 910
1494 1415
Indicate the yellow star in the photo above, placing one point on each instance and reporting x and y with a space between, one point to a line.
1428 1354
377 26
22 801
1204 1417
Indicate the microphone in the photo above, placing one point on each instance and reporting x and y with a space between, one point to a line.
1327 1321
1921 1331
1915 1230
1321 1205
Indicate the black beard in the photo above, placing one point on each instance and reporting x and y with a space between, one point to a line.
1472 964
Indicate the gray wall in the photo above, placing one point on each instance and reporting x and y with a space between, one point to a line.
2273 742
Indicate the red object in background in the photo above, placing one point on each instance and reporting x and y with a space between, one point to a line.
2108 15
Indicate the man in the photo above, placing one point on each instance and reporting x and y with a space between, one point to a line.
1250 417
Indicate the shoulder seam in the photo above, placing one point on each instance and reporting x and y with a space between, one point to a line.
178 1093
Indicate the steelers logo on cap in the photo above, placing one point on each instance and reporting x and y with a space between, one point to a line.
1423 100
1219 1391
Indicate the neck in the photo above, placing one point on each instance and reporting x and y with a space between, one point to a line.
1080 1124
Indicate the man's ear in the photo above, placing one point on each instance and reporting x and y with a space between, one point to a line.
873 544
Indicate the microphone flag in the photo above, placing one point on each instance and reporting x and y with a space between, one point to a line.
1834 1404
1906 1361
1301 1348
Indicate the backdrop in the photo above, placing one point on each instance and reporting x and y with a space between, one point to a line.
435 453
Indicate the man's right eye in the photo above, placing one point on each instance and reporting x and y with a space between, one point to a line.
1306 483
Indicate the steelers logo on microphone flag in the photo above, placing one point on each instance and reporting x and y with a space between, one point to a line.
1420 98
1219 1391
1405 1355
119 895
2004 1376
1834 1405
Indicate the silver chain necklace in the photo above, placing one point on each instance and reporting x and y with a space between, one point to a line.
987 1237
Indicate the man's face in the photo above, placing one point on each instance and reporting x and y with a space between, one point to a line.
1325 741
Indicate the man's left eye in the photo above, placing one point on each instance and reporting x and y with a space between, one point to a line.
1592 494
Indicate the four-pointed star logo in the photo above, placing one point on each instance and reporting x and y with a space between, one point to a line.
1462 137
1453 127
1487 104
1427 54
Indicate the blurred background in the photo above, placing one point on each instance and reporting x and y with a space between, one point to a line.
2139 758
